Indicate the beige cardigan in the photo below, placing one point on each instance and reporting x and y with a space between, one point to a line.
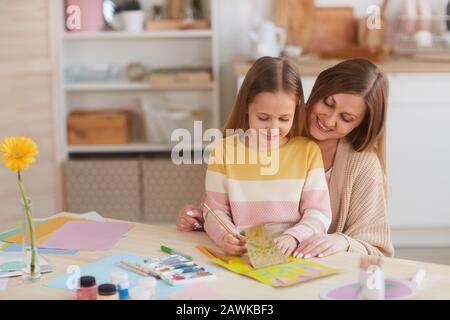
358 201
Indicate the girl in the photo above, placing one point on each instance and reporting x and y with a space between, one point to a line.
346 117
291 197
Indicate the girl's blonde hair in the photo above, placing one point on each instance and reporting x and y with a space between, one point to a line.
267 74
360 77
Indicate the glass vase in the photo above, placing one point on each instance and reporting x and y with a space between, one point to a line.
31 271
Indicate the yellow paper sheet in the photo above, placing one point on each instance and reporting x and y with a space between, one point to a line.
44 230
282 275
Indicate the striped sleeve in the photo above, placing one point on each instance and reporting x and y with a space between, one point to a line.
216 186
315 208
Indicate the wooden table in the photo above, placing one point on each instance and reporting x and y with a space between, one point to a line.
146 239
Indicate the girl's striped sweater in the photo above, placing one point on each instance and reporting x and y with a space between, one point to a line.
295 194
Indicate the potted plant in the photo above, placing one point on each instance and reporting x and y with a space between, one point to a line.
132 15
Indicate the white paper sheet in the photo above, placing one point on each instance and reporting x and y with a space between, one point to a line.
11 264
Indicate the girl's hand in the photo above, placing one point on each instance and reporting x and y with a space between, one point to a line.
286 243
189 218
321 245
234 245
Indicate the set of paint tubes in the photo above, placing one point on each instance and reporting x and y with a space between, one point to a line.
178 270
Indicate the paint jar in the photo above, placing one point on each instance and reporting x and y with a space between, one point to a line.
139 293
107 291
87 289
149 283
120 280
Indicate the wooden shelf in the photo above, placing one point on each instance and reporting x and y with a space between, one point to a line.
133 86
126 148
124 35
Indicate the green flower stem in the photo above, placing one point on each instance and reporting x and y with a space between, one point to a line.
29 224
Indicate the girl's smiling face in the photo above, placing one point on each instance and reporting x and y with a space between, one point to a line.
336 116
272 115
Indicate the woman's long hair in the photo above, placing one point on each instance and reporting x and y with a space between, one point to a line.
360 77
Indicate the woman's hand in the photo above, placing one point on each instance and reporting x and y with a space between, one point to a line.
234 245
321 245
190 218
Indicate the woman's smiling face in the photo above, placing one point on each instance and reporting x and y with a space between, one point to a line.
336 116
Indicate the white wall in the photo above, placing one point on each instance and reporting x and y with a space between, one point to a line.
359 6
235 22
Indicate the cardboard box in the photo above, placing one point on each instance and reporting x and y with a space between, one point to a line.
176 24
99 127
182 75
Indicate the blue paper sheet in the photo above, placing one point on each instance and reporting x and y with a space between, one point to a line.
16 247
102 269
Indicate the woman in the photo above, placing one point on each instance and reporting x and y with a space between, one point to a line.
346 116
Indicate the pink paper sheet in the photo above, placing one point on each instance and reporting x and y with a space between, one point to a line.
87 235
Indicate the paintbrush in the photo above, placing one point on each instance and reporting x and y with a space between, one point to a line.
220 220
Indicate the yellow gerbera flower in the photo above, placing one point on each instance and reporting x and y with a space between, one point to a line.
18 152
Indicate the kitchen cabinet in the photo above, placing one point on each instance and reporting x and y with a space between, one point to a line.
110 187
418 150
168 187
144 190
